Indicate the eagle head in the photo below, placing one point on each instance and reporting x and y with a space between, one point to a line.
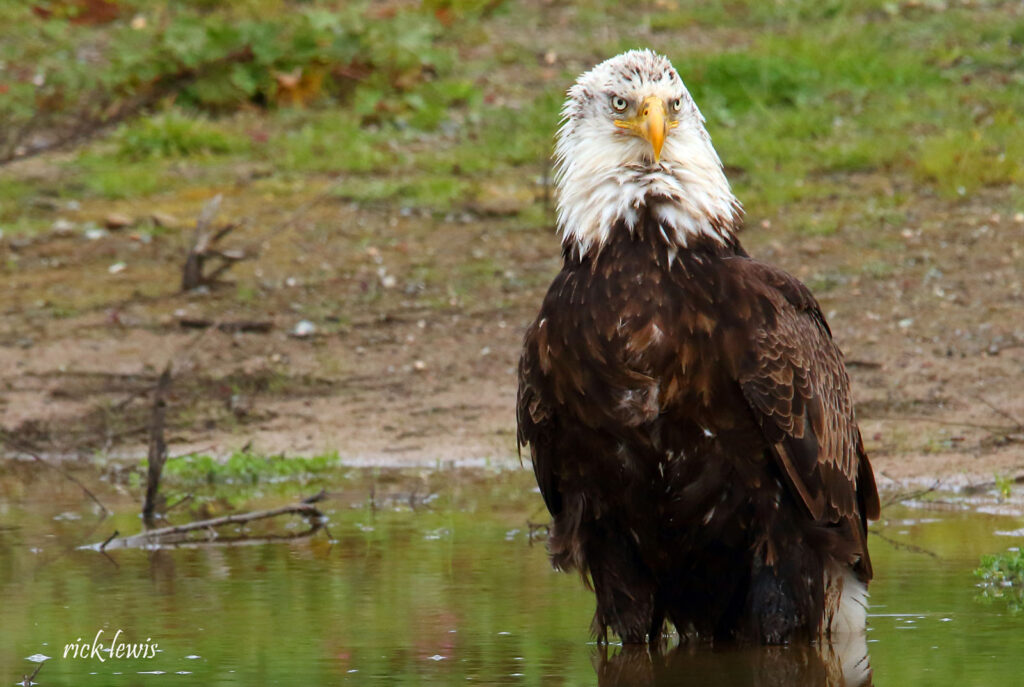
632 139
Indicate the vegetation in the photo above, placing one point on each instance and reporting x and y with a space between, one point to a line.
1002 578
242 468
411 100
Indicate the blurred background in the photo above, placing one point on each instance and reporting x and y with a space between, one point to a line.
334 219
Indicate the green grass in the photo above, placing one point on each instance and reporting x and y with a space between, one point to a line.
242 468
173 134
833 89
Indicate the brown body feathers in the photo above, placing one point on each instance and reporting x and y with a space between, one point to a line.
691 430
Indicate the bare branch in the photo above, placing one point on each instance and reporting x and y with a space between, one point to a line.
29 679
157 445
204 248
176 535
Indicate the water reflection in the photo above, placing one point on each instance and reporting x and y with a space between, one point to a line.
450 594
837 664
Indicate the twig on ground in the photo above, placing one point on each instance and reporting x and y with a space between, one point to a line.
204 248
866 364
245 326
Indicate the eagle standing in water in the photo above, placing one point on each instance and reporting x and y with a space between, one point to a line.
687 412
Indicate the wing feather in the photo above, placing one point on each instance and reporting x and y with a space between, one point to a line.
535 418
795 381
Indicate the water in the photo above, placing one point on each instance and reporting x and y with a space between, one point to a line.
448 592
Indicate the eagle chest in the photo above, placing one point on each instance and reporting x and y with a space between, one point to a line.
638 336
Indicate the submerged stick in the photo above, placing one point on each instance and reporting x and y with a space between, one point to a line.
29 679
177 534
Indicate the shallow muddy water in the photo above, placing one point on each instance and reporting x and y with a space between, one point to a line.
436 582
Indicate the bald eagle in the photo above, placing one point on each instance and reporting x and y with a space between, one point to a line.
686 409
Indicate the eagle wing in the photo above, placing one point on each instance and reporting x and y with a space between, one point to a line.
795 381
535 420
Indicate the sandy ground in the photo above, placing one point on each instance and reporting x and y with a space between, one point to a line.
418 369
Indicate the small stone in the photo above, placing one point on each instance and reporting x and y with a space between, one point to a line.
303 329
117 268
63 227
117 220
95 233
419 366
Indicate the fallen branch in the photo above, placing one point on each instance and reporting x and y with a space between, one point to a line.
176 535
863 364
229 542
246 326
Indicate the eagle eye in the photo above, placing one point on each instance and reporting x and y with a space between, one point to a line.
677 104
619 103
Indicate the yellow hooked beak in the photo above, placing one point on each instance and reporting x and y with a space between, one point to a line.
651 123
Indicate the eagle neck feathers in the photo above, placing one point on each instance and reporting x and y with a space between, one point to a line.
691 203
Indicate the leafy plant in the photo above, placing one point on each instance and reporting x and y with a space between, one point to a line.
1002 578
1004 486
62 82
